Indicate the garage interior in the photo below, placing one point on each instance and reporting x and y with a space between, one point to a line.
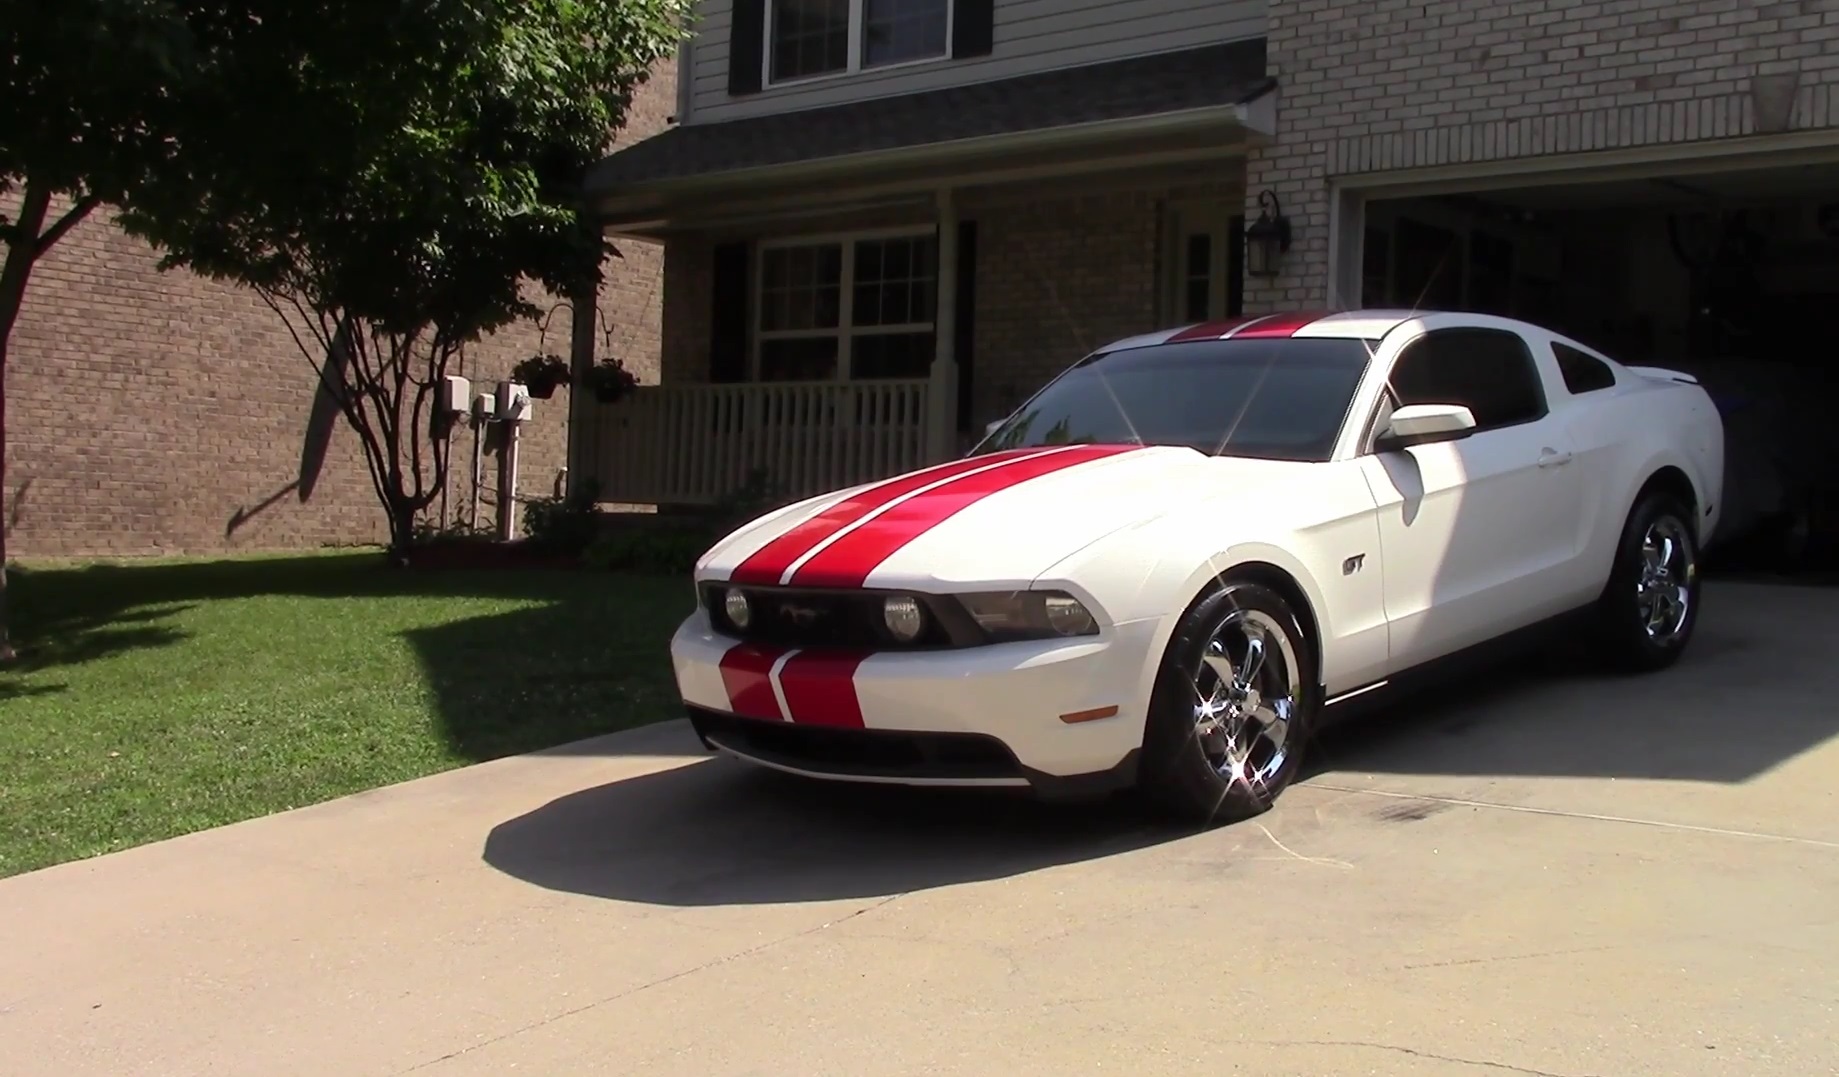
1732 277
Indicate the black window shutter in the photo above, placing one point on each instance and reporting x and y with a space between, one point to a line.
728 318
747 45
973 28
965 335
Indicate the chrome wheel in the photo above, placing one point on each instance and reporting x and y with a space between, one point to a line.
1246 698
1663 592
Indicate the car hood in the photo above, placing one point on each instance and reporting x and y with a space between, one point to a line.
998 520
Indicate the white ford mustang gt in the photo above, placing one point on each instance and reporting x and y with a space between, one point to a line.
1162 568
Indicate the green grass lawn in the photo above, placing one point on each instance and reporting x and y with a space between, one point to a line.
153 699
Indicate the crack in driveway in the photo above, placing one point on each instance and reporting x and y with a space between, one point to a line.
659 982
1527 809
1505 1067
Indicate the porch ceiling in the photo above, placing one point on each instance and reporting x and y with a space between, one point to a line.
1118 104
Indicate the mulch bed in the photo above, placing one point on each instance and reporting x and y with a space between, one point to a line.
481 555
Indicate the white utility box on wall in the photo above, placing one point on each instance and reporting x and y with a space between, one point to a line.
513 402
456 394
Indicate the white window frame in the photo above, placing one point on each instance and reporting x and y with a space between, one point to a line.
855 66
846 330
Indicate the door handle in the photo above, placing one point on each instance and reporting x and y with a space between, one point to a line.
1553 458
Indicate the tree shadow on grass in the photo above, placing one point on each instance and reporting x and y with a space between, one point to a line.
581 664
15 690
578 654
82 638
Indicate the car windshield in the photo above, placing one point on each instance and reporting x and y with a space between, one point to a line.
1275 399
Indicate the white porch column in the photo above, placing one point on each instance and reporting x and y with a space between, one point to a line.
942 394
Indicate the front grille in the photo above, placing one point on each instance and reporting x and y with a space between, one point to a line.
861 752
814 617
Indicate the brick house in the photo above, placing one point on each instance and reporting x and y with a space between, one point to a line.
886 224
155 412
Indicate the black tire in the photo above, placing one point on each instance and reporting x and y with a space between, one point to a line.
1186 773
1625 609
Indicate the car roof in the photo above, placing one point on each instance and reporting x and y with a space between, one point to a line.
1347 325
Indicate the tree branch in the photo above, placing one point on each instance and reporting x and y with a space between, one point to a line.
71 218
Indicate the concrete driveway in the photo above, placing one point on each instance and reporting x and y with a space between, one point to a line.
1569 876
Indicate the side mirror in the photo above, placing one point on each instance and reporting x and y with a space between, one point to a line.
993 426
1424 424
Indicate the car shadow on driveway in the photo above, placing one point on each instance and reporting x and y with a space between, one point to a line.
715 832
1755 691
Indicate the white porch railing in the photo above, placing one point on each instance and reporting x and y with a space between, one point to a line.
692 444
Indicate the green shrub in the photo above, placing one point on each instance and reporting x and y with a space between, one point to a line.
429 533
652 550
564 525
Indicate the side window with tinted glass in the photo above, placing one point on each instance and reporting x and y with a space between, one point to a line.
1488 371
1583 373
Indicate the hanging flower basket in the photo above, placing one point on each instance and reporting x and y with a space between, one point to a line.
610 380
542 375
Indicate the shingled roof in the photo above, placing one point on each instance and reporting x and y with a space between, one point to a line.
1214 75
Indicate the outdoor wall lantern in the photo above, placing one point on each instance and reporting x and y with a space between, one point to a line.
1267 239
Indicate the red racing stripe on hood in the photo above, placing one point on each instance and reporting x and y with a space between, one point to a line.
820 688
768 564
747 674
848 561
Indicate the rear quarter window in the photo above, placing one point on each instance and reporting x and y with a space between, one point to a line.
1582 373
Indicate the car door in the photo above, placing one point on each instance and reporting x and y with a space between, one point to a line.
1474 533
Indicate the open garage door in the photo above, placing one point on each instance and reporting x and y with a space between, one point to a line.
1733 277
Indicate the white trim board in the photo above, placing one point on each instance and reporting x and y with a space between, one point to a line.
1599 166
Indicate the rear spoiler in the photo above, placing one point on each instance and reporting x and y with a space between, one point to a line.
1663 374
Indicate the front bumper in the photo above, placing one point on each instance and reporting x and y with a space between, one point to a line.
971 716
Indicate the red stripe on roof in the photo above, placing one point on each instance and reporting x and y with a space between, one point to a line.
1210 330
767 565
820 688
1281 325
747 674
848 561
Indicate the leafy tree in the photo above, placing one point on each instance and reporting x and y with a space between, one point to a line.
386 174
86 86
391 178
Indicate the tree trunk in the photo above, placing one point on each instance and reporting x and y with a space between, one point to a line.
402 529
6 645
21 251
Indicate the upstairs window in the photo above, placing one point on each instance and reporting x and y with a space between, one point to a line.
899 31
811 38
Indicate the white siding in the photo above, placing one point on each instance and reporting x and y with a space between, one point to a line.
1031 36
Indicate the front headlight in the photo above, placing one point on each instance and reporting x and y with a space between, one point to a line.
1006 616
904 617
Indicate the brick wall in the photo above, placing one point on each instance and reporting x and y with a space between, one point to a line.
1377 85
155 412
1056 278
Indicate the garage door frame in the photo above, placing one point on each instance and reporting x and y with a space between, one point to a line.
1349 194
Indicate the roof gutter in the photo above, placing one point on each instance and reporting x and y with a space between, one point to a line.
1255 114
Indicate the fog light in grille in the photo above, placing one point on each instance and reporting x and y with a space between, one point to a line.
736 606
903 617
